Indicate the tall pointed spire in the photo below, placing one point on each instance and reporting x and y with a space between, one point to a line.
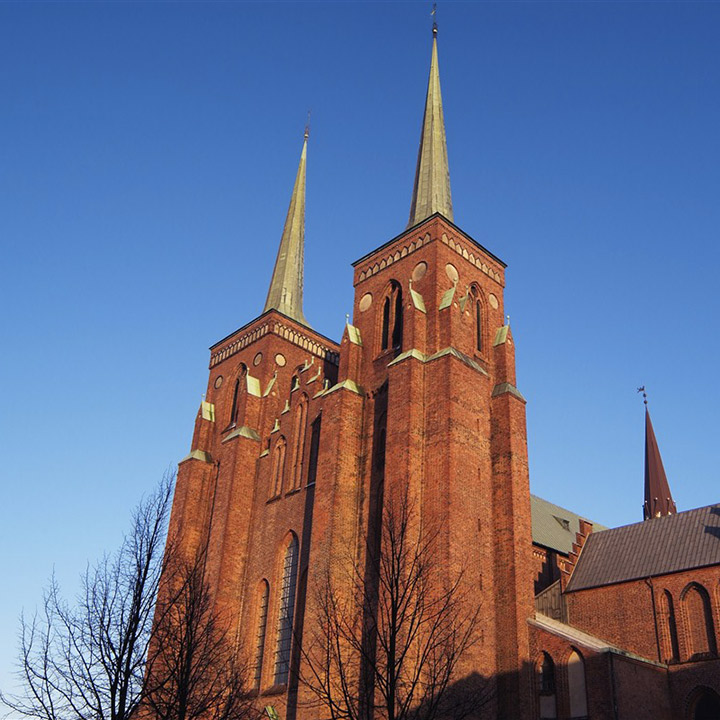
286 286
658 500
431 193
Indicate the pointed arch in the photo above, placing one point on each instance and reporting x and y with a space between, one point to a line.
391 318
286 609
278 466
668 628
299 435
478 313
238 389
546 687
577 689
703 703
263 598
699 626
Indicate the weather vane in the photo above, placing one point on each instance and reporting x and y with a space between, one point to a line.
433 12
644 394
307 126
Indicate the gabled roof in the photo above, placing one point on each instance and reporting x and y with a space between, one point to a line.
553 526
664 545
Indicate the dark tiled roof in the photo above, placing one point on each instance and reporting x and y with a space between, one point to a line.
553 526
659 546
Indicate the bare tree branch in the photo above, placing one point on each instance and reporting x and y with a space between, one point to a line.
87 661
390 647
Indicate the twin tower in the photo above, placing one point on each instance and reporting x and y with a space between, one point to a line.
302 441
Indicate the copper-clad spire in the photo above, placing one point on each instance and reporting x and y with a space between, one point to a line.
286 286
431 193
658 500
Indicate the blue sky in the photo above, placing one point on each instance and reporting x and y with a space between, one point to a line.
148 152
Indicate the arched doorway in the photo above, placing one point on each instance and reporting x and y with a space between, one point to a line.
706 706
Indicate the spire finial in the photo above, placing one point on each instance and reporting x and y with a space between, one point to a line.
307 126
434 17
431 192
644 394
286 287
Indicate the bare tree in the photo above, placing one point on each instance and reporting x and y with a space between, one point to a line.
122 653
194 667
87 661
391 646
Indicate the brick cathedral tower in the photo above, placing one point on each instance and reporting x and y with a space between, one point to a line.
301 441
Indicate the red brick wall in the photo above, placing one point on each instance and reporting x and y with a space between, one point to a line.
624 614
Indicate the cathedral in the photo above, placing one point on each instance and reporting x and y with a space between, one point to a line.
302 443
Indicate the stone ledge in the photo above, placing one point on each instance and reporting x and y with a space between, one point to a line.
505 387
200 455
243 431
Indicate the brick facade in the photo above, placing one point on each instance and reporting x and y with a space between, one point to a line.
301 442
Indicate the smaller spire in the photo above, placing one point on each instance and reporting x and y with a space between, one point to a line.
658 499
286 287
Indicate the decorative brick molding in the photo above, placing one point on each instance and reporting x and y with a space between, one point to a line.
411 245
460 249
276 327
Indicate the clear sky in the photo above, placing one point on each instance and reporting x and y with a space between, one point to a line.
147 155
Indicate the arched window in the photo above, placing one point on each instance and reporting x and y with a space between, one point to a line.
699 621
668 628
477 310
546 687
237 392
577 692
233 410
300 428
278 469
397 321
288 584
391 331
385 324
705 705
262 627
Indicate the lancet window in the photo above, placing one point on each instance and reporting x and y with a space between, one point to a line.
699 621
391 331
237 394
577 690
288 585
300 427
668 630
263 599
546 688
478 313
278 467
